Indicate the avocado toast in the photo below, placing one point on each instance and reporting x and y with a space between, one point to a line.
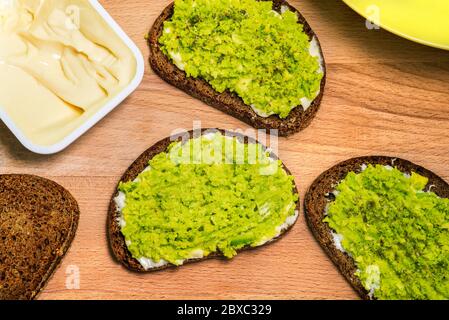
167 212
258 61
38 220
384 222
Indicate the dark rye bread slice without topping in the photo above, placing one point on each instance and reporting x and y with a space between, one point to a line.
228 102
320 195
116 238
38 220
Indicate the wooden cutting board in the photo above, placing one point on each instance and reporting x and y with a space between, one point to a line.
385 95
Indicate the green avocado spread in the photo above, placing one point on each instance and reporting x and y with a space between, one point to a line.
209 194
397 233
245 47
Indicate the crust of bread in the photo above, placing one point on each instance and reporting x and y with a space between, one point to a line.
39 219
116 239
228 102
320 194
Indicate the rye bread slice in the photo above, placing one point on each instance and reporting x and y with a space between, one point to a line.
320 195
117 240
228 102
38 220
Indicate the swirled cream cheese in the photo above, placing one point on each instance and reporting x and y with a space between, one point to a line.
59 63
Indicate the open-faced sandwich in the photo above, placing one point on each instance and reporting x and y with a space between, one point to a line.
385 223
258 61
200 195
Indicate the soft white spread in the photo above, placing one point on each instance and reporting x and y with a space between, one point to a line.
177 59
210 135
288 222
197 254
264 210
276 14
306 103
120 201
148 264
326 209
283 227
261 113
372 282
145 170
315 51
120 204
338 238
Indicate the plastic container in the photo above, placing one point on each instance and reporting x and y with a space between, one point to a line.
110 105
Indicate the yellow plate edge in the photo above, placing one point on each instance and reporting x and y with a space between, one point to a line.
398 33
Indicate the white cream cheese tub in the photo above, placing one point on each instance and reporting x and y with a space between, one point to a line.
64 65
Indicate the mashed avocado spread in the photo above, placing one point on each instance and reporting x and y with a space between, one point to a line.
245 47
397 233
189 204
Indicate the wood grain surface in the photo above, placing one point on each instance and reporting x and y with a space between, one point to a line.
385 95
